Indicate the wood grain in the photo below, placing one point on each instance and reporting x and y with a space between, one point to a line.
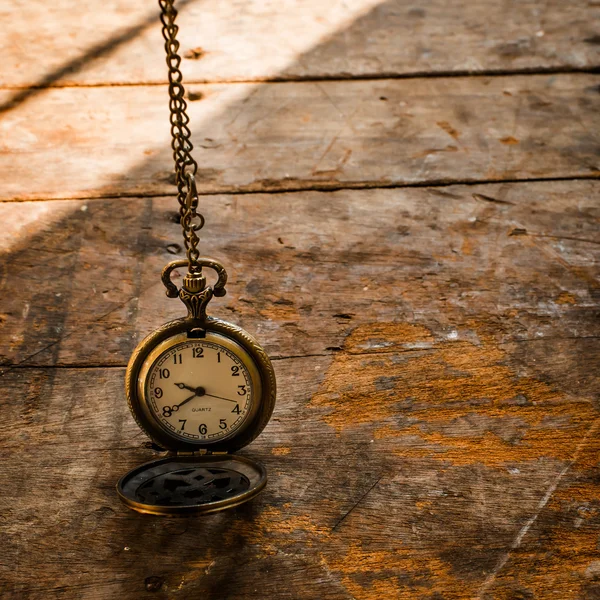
116 42
471 477
95 142
436 429
81 279
418 253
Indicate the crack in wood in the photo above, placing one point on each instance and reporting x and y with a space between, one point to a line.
542 504
338 351
564 237
324 187
371 488
341 77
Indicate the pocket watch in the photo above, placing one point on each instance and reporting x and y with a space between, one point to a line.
199 387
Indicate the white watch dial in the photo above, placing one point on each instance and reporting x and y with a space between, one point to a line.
199 391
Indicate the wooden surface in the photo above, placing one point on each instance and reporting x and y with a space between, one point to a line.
317 135
435 334
118 42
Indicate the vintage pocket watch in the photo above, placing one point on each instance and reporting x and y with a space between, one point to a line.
199 387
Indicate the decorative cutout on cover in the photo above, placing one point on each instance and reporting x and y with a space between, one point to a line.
192 486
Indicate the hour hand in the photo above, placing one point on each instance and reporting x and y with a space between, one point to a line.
183 386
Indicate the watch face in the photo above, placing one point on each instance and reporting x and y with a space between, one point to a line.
200 390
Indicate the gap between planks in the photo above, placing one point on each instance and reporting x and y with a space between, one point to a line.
325 187
593 70
75 366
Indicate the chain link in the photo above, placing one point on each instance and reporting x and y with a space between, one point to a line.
185 165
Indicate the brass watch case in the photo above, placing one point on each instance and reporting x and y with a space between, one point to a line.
230 336
205 464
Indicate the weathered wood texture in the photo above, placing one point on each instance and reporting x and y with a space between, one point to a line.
436 431
81 282
89 142
423 471
119 42
437 348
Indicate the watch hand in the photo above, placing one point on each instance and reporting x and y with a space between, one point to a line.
221 398
183 386
186 400
175 407
199 391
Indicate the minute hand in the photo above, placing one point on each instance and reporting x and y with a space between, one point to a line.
186 400
220 398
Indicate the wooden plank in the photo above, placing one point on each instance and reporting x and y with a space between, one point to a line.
437 349
456 470
81 279
94 142
116 42
436 429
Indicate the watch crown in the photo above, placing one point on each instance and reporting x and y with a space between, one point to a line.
194 282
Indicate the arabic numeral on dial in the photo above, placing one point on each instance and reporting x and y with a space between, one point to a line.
242 390
183 421
222 424
203 429
218 357
164 373
236 410
158 392
177 359
167 411
235 371
198 352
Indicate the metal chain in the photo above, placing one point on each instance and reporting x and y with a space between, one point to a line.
185 165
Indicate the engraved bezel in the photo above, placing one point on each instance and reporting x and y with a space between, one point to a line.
214 330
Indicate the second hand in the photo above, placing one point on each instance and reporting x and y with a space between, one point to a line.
221 398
